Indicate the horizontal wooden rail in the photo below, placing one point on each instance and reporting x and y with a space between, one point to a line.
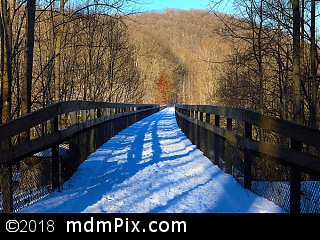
27 148
283 127
236 139
289 155
79 127
24 123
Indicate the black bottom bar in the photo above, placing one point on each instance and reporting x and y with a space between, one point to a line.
225 224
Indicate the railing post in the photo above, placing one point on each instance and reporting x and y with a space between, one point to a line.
196 131
55 156
99 113
229 124
91 133
295 177
184 123
207 117
217 141
99 131
217 120
247 157
83 141
190 127
227 154
201 134
207 138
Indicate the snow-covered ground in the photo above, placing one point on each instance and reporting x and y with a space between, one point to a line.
151 167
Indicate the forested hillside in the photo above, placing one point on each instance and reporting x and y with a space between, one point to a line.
246 60
263 58
184 48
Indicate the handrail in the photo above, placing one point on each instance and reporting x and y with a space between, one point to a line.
238 145
78 126
24 123
284 127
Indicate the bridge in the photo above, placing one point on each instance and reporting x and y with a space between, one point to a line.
274 158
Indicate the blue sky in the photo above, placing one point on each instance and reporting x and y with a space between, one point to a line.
159 5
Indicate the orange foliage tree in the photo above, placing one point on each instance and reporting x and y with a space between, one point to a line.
163 89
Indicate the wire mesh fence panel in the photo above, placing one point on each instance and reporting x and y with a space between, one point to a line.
271 180
31 181
236 162
310 197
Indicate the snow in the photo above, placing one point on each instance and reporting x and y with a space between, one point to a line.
151 167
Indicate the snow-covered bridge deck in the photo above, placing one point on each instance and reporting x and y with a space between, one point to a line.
151 167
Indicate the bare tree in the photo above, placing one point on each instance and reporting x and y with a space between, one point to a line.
7 12
26 83
314 85
297 109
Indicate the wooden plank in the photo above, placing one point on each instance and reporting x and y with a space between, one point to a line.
24 123
282 127
25 149
288 155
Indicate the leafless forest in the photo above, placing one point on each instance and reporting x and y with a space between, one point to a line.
214 58
263 58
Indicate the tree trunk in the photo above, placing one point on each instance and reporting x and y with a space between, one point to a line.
6 83
27 79
2 65
297 114
7 67
57 50
314 88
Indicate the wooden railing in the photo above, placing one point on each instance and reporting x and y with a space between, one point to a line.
78 127
272 157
